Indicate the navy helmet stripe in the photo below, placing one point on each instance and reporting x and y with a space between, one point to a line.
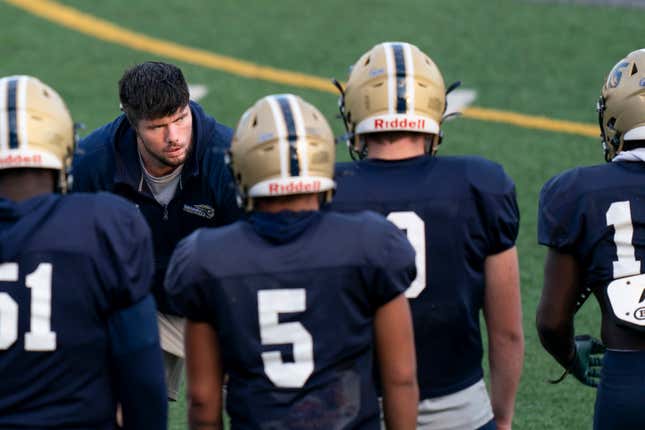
12 87
292 136
401 93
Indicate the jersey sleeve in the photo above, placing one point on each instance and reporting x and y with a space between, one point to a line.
184 281
125 258
392 262
497 205
138 366
559 219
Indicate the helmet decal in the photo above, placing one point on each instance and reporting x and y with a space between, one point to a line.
616 74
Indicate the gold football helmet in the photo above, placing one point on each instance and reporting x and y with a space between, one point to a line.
36 129
621 107
282 145
393 87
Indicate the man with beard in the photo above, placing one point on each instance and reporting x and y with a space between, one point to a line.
165 155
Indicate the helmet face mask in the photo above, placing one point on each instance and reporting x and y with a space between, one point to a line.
621 107
282 146
36 129
392 87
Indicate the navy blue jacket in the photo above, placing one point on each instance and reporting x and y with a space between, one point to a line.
295 316
456 211
107 160
75 276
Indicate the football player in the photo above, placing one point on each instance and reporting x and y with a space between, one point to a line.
292 301
593 221
78 329
461 216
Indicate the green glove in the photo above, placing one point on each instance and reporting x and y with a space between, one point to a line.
587 362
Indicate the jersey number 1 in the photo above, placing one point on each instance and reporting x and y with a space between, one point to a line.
619 215
40 337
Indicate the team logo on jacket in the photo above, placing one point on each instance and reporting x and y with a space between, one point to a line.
203 211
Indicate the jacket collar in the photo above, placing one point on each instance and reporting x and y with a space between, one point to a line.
124 139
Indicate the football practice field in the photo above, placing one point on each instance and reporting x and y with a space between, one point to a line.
534 67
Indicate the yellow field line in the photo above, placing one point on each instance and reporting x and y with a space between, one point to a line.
536 122
104 30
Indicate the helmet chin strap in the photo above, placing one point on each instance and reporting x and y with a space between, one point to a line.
348 137
609 146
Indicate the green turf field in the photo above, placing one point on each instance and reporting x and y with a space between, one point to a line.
536 58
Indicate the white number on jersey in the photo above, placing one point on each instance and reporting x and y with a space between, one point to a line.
620 216
626 293
39 337
272 332
415 229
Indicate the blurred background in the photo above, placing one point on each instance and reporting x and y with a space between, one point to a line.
531 71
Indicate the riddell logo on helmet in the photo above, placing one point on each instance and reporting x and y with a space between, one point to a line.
382 124
21 160
294 187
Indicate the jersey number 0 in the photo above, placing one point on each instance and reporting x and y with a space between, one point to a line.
415 229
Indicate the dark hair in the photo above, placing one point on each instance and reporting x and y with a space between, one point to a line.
152 90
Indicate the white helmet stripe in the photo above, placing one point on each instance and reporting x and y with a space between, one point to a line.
21 110
301 143
391 78
409 70
400 100
283 143
4 116
292 135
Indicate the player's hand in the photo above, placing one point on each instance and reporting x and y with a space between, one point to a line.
587 362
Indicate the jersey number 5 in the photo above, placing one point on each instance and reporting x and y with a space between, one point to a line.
40 337
273 332
415 229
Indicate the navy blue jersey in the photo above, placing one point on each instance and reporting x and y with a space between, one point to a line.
295 320
597 214
67 263
456 211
